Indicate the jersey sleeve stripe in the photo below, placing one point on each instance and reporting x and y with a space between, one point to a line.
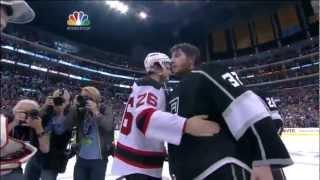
263 153
143 119
275 115
139 158
140 152
138 164
268 162
243 112
216 83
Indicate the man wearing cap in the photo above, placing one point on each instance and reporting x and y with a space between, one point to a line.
18 12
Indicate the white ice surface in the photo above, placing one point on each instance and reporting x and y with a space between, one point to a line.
304 151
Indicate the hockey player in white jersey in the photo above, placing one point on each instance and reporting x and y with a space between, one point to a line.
140 150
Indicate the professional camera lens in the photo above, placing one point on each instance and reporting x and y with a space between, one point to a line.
33 114
58 101
82 101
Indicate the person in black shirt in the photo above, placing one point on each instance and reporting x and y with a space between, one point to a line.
53 113
248 144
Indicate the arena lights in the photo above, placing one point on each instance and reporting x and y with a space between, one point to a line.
7 61
39 68
27 89
22 51
22 64
122 86
45 70
250 76
143 15
53 71
118 5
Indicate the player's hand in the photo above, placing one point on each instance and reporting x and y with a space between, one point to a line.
199 126
261 173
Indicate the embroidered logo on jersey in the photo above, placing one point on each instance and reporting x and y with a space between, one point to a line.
174 105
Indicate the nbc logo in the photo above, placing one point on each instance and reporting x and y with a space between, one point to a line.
78 20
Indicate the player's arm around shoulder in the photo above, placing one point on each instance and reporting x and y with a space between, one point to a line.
165 126
199 125
171 127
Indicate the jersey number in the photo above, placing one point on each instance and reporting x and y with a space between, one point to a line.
148 98
271 102
232 78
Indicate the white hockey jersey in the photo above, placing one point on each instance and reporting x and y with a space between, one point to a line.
145 126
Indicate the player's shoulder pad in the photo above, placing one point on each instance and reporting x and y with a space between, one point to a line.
213 68
222 79
211 71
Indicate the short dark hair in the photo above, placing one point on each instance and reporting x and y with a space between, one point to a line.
190 50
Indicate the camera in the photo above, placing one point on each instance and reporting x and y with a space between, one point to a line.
58 101
82 101
33 114
23 131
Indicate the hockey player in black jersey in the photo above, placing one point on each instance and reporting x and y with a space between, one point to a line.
247 146
269 100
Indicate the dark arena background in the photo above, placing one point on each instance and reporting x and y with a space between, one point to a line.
272 45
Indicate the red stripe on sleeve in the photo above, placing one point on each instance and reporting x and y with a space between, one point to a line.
145 116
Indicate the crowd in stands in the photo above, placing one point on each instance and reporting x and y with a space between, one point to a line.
17 85
299 107
297 49
303 65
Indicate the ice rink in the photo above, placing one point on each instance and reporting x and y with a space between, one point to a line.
304 150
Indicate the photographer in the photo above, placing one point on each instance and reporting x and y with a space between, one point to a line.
94 134
27 125
24 123
48 165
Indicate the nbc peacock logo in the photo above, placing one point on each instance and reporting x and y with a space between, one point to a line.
78 20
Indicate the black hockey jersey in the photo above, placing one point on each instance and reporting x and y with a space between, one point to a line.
247 137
